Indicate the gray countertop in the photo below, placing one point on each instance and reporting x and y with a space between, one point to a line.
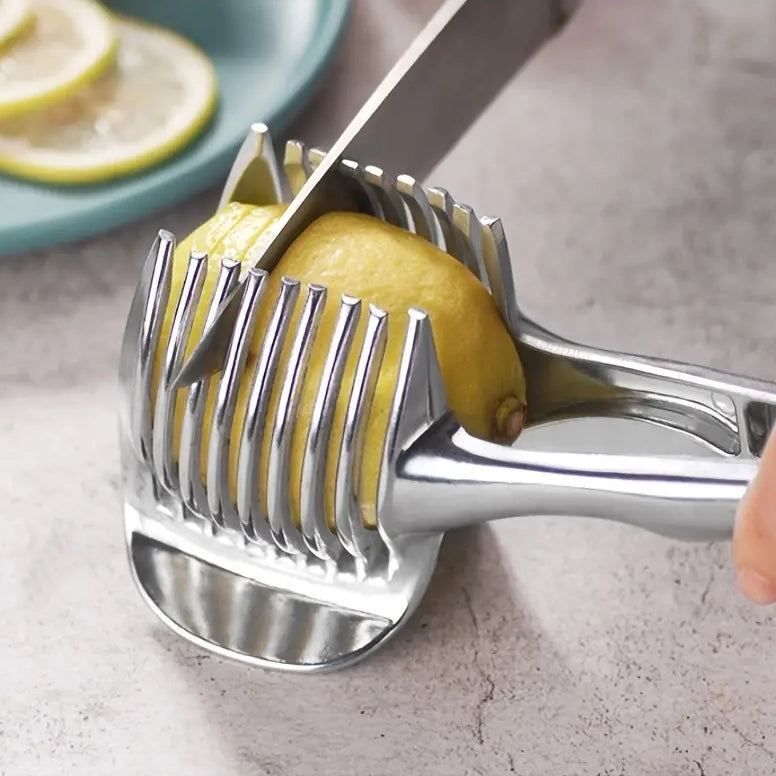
634 163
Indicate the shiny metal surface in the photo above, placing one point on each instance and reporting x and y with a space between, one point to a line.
140 343
254 520
285 628
361 543
255 176
437 66
264 608
317 536
164 411
217 568
261 589
222 509
192 488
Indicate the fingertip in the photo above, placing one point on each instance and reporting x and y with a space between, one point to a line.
755 522
756 587
754 534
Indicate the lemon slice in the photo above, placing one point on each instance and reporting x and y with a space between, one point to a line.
15 16
70 43
153 102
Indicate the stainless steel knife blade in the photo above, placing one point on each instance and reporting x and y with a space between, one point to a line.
453 69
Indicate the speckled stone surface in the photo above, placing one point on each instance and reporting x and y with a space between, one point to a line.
634 163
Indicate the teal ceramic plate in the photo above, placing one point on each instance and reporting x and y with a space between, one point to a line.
269 55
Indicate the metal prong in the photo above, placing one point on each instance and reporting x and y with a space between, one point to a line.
219 499
355 172
354 193
190 459
296 165
254 178
498 265
286 534
358 540
467 228
392 205
420 393
442 204
419 400
317 535
314 157
164 411
423 220
141 340
249 508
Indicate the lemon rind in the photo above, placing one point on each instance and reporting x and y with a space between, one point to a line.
90 73
22 24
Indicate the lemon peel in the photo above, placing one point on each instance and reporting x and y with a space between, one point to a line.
69 44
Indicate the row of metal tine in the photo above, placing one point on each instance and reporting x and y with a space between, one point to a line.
433 214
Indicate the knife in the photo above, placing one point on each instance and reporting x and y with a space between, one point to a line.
449 74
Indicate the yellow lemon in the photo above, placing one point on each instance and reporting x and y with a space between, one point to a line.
394 270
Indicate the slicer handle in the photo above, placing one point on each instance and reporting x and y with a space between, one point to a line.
448 479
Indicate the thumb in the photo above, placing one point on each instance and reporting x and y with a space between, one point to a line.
754 536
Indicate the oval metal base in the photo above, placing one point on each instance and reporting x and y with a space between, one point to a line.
281 619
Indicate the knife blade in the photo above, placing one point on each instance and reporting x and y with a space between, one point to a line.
452 70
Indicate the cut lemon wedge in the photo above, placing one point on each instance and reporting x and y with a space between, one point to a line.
70 43
15 16
157 98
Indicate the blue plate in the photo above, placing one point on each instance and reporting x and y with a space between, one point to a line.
269 54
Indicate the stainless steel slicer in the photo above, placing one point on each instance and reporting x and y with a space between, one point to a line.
252 584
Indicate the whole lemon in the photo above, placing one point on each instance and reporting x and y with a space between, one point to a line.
394 270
